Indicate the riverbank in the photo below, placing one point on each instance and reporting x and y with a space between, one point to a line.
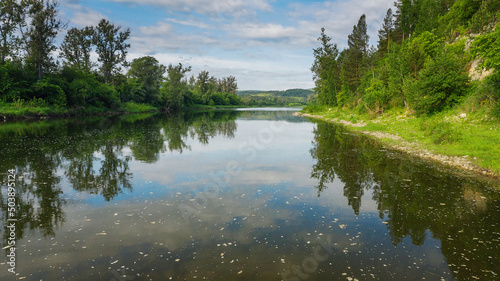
467 141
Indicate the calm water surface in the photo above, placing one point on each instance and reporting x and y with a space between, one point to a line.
236 195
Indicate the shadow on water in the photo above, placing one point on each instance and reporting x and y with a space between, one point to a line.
415 198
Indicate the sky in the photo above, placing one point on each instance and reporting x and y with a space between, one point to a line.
265 44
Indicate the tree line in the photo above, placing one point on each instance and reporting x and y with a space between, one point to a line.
421 61
31 71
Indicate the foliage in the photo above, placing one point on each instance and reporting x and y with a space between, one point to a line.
42 34
111 47
77 46
51 93
148 71
441 84
136 107
376 97
12 14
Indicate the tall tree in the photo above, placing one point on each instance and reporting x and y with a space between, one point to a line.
150 72
77 46
406 17
11 17
175 86
41 34
325 70
111 47
202 86
384 34
358 47
228 85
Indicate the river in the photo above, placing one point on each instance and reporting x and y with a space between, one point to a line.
235 195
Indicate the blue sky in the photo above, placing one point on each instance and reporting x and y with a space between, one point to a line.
265 44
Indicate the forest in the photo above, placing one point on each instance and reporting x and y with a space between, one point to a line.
431 56
40 77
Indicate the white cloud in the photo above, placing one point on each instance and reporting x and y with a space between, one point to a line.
191 22
263 31
339 17
82 16
161 28
208 7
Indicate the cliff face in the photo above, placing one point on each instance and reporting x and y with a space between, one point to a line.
477 73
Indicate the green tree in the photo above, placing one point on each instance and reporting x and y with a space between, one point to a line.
325 70
12 15
384 34
42 33
150 72
175 87
111 47
355 64
202 86
441 84
76 48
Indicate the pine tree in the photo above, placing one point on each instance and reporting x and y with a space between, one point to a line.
358 46
385 33
325 69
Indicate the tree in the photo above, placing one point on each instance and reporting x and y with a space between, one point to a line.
325 70
42 33
228 85
202 86
11 17
111 47
358 47
150 72
77 46
384 34
406 17
175 86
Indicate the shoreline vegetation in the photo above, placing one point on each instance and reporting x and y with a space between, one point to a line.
430 87
477 150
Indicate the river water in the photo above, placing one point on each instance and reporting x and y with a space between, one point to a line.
235 195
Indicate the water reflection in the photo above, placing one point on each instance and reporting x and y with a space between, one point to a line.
106 193
415 199
89 153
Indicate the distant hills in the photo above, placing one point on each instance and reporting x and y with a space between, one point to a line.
290 97
301 93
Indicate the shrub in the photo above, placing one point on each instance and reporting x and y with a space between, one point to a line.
51 93
441 84
376 96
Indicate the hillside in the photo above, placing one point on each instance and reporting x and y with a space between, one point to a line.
431 83
290 97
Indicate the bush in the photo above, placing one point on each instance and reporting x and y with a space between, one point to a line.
51 93
441 84
376 97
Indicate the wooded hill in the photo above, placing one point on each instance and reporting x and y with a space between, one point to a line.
290 97
425 60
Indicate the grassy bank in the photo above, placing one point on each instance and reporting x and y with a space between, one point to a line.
455 137
24 110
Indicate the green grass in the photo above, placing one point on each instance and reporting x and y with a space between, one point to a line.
38 108
133 107
454 132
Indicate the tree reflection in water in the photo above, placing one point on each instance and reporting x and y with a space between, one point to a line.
415 198
88 153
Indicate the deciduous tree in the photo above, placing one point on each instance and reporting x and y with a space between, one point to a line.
111 47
